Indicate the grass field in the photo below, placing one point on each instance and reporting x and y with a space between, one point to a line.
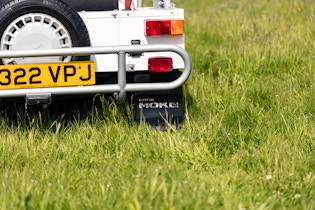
248 140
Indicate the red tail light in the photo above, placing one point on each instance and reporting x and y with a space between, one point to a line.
164 27
127 4
160 64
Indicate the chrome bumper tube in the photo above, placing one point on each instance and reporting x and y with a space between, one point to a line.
121 88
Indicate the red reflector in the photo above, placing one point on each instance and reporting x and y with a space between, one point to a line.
164 27
160 64
158 27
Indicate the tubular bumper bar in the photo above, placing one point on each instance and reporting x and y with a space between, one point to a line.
121 88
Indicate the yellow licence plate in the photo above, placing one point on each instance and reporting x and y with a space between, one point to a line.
47 75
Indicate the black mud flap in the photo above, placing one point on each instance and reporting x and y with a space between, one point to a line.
159 109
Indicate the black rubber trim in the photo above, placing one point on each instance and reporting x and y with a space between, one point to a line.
93 5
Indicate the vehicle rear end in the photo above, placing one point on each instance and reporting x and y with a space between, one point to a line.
140 26
160 24
77 47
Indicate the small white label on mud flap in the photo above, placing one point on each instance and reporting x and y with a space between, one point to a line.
158 105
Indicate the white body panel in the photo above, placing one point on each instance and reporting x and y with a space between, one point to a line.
112 28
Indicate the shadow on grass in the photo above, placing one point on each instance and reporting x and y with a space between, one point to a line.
67 111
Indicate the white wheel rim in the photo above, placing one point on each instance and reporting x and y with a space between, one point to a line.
35 31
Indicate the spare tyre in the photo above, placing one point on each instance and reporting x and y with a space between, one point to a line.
40 24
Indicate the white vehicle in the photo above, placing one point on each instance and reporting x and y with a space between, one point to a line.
76 47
